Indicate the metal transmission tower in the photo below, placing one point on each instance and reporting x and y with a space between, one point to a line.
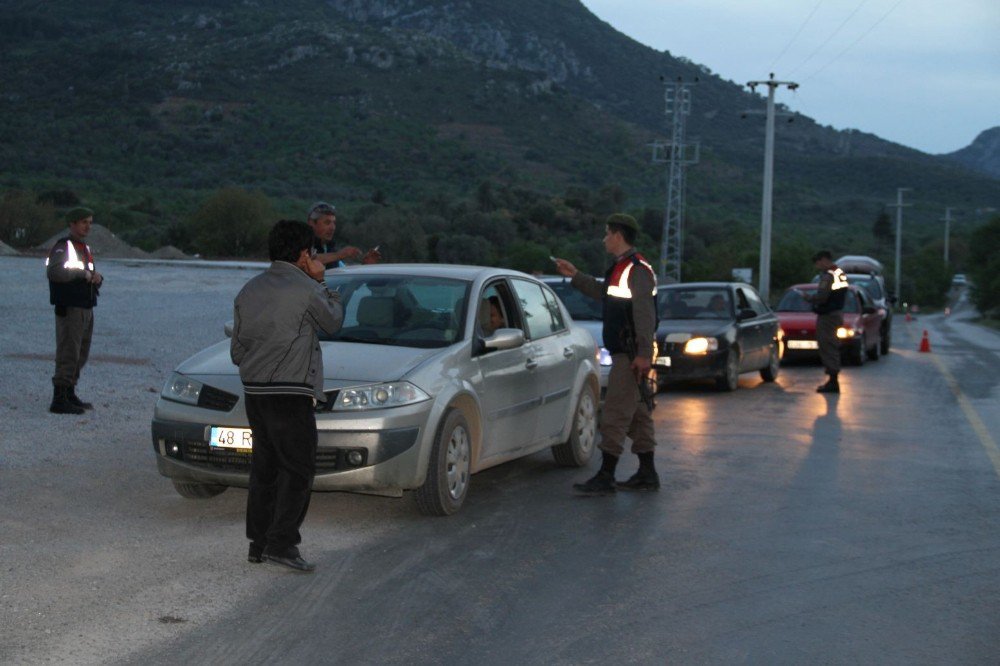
765 213
677 153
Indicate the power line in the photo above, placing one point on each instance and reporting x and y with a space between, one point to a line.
795 36
855 42
832 35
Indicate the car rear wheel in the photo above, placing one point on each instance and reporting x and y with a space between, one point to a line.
449 468
770 372
886 341
859 353
198 490
579 448
730 378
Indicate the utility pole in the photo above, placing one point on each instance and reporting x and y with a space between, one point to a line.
677 153
899 205
765 212
947 232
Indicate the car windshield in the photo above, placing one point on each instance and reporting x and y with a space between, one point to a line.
404 311
792 301
695 303
868 283
581 308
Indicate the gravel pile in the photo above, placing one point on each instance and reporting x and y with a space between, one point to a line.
102 243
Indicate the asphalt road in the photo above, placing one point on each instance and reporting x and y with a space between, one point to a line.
792 527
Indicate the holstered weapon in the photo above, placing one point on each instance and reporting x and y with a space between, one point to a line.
645 393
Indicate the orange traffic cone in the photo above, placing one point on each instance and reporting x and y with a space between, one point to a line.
908 317
925 343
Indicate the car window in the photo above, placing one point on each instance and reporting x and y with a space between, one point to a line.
542 317
753 299
851 302
580 307
552 303
869 283
495 310
408 311
792 301
695 303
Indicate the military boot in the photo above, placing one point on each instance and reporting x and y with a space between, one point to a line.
646 478
76 401
603 482
61 403
831 386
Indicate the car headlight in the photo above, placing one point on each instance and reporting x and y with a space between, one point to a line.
603 356
698 346
378 396
845 333
182 389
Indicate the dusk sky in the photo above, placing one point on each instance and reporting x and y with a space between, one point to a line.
922 73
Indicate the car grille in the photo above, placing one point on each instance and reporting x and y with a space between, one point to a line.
231 460
213 398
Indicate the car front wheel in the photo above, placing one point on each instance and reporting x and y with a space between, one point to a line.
449 468
770 372
198 490
730 378
578 449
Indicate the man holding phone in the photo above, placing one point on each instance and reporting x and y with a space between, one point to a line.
322 218
275 343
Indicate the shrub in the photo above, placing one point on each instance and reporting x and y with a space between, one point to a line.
232 223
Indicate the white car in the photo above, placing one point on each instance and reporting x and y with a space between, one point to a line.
421 391
586 312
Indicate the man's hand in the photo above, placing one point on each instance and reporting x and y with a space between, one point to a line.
349 252
640 366
96 278
315 269
565 268
372 256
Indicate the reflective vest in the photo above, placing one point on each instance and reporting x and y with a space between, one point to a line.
619 327
838 293
78 293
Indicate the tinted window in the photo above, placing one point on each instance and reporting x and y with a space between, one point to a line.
869 283
542 316
753 299
695 303
407 311
792 301
580 307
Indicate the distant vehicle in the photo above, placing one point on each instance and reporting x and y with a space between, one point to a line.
586 312
959 279
859 336
715 330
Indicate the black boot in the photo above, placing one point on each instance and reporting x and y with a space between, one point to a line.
646 478
831 386
603 482
61 403
76 401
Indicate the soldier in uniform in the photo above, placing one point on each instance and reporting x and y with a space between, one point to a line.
73 287
628 296
828 304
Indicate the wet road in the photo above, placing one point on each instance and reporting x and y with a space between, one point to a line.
792 527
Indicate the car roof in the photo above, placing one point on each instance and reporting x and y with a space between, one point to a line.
714 285
454 271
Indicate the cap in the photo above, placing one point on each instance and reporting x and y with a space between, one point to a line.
623 220
77 214
321 208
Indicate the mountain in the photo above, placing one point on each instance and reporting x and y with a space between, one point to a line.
151 105
981 155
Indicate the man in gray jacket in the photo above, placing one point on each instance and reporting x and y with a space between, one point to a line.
275 343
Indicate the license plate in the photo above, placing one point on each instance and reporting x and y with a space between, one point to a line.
231 438
802 344
662 361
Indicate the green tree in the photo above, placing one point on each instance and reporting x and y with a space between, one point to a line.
882 230
24 222
398 235
984 266
233 223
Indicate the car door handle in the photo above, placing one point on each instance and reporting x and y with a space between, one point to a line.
531 364
568 352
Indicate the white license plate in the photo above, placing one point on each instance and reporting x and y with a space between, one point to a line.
231 438
662 361
802 344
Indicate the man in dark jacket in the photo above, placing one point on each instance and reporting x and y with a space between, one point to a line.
275 343
628 295
828 304
73 287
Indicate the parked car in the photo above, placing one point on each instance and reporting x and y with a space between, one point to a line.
715 330
867 273
860 336
586 312
421 393
959 280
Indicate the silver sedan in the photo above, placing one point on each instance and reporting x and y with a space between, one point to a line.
438 372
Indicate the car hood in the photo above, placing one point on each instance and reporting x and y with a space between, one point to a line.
344 363
694 327
804 321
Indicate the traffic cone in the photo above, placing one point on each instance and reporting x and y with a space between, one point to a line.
925 343
908 317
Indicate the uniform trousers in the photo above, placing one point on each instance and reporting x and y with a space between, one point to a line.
74 331
829 344
624 414
281 470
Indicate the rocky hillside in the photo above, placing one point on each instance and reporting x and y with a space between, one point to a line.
982 155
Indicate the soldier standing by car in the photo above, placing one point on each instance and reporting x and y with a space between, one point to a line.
73 288
276 318
828 304
628 295
322 218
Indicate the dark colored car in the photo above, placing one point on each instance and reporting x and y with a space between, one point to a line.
860 336
867 273
715 330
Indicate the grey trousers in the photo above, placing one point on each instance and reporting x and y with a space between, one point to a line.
73 334
829 343
623 414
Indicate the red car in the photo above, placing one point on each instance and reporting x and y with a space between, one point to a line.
859 336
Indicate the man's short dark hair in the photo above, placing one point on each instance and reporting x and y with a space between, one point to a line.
822 254
287 240
628 233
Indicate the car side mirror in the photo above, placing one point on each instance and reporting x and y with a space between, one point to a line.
746 313
228 329
504 338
